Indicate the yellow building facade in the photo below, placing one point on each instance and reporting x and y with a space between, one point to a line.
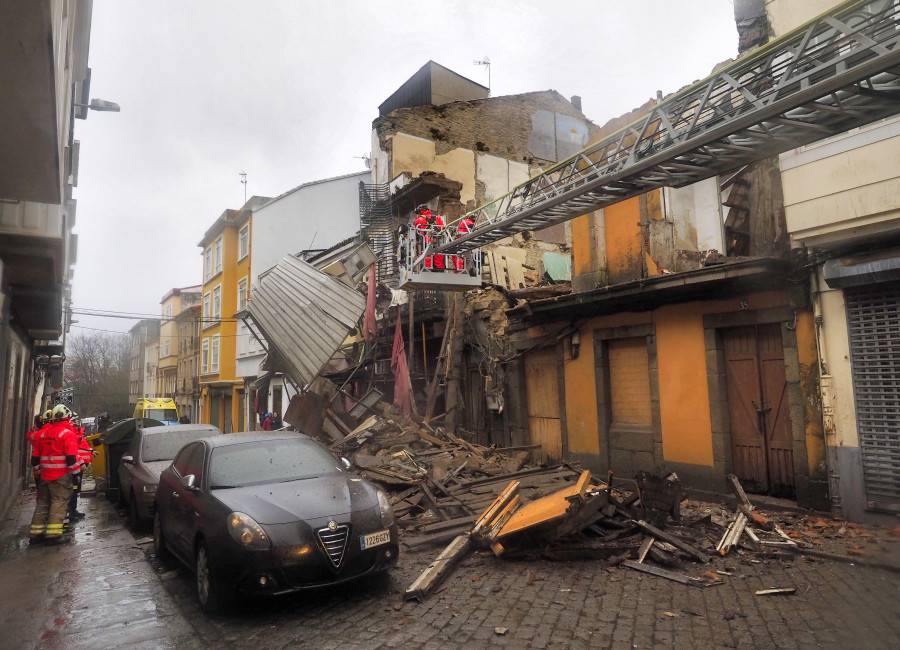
172 304
226 264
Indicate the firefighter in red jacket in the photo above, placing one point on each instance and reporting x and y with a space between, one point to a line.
465 226
54 456
45 421
427 226
85 455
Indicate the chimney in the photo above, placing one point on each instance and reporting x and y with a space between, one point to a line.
576 102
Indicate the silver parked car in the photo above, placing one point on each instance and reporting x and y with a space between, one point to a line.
150 451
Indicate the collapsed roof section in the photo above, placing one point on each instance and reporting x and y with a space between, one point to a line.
305 315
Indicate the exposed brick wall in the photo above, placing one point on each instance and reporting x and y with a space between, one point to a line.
498 125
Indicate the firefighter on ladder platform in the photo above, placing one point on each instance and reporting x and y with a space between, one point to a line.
428 229
464 227
54 457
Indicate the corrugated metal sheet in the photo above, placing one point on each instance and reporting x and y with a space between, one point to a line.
305 315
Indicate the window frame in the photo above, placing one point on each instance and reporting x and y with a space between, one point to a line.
204 357
207 263
217 263
207 309
214 354
242 293
244 241
217 303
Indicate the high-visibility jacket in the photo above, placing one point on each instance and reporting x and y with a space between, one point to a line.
85 452
58 450
465 226
427 220
32 435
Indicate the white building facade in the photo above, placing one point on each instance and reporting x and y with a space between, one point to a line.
312 216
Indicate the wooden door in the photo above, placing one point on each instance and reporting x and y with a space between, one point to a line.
542 392
761 431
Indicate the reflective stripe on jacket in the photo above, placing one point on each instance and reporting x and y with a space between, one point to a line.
57 442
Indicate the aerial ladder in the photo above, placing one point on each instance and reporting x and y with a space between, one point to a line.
837 72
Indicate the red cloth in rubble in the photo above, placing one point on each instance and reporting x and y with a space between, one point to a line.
402 396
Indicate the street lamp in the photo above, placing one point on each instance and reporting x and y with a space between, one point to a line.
101 105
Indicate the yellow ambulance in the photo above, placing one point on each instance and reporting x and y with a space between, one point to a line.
158 408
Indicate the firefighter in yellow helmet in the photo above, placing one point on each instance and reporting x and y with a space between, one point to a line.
54 457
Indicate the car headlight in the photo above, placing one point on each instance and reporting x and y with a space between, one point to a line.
246 532
387 510
149 489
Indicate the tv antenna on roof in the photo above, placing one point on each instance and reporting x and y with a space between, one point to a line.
243 176
486 62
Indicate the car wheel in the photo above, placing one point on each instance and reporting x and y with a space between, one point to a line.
159 541
214 596
134 518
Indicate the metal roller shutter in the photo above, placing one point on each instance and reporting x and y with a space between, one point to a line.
874 322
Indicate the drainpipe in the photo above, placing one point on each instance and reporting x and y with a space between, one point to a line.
826 387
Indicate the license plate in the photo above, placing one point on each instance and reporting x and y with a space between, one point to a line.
375 539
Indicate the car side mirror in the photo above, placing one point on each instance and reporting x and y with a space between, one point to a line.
129 460
347 463
189 482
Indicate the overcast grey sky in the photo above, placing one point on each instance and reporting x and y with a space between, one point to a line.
286 90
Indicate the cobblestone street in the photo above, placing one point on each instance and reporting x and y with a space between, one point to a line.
492 602
105 589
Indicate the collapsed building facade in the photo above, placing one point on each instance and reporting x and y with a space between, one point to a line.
677 312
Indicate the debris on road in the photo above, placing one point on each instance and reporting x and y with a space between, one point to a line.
775 591
448 490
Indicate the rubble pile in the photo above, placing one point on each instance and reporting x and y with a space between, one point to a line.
439 482
445 488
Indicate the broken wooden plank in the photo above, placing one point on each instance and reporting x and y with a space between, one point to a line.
785 536
500 520
775 590
749 533
439 526
436 538
666 537
433 501
662 573
735 486
558 470
645 548
438 570
336 421
732 533
494 509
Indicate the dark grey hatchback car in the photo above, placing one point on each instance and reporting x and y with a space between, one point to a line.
268 513
150 451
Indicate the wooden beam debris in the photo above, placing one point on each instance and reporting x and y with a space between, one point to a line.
431 577
775 591
666 537
732 534
663 573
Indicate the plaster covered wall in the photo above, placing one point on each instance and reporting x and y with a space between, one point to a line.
844 186
785 15
835 341
696 212
315 215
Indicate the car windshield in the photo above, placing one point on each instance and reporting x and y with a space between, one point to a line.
269 461
163 415
164 445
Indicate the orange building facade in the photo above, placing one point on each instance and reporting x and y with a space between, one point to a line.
671 356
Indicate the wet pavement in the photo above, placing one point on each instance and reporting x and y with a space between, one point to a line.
95 591
105 589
